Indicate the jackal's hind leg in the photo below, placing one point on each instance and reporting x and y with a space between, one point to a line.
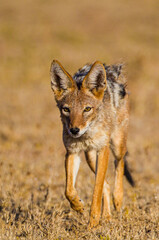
118 189
72 166
106 201
119 149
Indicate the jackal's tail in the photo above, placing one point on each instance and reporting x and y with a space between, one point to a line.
127 171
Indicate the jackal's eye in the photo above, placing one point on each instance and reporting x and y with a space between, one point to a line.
66 109
87 109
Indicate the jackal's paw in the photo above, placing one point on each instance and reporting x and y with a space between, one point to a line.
117 200
106 216
77 206
94 221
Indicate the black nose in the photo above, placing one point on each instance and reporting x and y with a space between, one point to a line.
74 130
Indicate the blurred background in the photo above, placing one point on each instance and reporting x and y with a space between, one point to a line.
32 34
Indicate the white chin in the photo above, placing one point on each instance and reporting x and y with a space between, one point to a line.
75 136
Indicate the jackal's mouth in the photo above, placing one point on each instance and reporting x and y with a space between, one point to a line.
77 135
76 132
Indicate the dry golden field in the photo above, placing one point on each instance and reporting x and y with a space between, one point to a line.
32 176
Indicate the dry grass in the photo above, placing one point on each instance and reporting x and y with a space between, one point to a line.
32 178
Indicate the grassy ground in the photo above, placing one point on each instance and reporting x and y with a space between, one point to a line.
32 177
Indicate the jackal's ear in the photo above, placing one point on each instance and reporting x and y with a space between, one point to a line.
95 80
61 81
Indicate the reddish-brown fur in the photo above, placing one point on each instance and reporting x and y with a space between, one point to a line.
101 118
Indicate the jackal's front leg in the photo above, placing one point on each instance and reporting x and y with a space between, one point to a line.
91 158
102 163
72 166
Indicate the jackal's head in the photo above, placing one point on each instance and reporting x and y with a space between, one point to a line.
79 106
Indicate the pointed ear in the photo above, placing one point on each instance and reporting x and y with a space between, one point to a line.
95 80
61 81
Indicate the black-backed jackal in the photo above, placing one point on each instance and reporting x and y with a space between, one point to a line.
95 115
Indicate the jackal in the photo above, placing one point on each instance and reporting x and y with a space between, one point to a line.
95 116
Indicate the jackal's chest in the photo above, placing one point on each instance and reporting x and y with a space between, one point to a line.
95 140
